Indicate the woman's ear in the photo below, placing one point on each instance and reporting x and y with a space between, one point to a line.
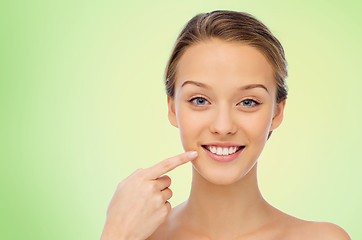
171 111
278 115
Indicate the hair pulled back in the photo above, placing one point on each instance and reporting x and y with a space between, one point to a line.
229 26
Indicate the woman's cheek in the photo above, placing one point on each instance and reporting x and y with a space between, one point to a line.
259 125
251 124
190 126
187 116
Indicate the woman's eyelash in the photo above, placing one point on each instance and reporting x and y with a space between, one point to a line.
250 101
200 102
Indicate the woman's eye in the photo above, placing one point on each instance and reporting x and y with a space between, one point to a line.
198 101
249 103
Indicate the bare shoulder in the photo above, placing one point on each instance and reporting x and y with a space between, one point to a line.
330 231
175 228
318 231
170 229
293 228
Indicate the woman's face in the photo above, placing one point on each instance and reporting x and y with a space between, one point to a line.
224 94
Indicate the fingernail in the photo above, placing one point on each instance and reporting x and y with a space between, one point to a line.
192 154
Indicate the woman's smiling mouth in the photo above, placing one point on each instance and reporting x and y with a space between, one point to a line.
223 152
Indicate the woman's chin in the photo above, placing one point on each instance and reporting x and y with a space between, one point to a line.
222 175
221 181
218 177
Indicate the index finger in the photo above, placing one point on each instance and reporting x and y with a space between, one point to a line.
169 164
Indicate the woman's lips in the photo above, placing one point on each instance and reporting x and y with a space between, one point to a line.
223 158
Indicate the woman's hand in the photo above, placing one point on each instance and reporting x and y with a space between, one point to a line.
139 205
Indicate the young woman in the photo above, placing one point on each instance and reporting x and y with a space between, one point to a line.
225 84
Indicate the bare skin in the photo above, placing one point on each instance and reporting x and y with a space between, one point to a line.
224 94
264 222
225 202
139 204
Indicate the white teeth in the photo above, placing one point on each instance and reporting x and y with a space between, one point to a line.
225 151
219 151
232 150
222 151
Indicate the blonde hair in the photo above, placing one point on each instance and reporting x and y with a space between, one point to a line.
233 27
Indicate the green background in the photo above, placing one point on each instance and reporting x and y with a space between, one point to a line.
83 105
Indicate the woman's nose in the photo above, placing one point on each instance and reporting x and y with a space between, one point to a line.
223 123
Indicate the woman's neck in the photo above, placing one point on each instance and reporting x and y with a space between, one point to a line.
221 209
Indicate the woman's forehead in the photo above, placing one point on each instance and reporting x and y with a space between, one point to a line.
217 61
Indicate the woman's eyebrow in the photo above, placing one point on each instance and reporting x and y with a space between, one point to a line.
199 84
257 85
246 87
